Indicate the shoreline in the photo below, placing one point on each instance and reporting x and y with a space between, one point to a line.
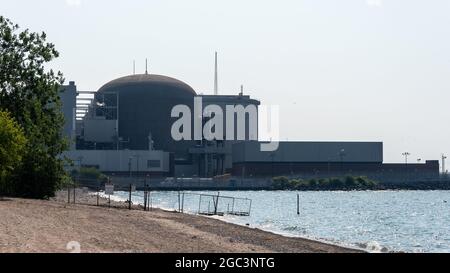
284 234
275 232
200 189
48 226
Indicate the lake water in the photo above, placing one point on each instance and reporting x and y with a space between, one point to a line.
411 221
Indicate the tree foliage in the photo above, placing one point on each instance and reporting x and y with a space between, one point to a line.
88 173
30 93
12 148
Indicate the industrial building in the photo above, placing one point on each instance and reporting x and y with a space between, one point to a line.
133 113
126 125
326 159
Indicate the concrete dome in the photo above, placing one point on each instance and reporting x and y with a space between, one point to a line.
158 83
145 105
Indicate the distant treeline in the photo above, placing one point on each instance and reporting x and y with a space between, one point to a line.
349 183
336 183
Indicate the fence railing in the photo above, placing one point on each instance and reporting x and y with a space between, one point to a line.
93 192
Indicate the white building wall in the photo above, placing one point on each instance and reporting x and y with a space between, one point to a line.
119 160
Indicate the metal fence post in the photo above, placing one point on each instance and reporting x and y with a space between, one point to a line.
129 200
145 199
182 202
216 204
232 206
179 202
150 203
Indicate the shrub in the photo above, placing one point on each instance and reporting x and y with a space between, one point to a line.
313 183
280 183
88 173
346 183
336 183
323 182
350 182
12 148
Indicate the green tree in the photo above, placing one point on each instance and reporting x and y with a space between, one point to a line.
12 147
30 92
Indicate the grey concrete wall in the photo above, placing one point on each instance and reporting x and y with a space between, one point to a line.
310 152
100 130
223 101
118 160
123 183
68 95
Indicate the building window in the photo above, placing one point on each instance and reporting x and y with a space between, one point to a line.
153 163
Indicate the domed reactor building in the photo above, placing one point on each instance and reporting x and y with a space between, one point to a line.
144 113
125 130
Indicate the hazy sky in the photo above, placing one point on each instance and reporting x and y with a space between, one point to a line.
375 70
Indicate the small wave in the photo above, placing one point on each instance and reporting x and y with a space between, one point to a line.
295 229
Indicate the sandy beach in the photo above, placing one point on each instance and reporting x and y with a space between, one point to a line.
48 226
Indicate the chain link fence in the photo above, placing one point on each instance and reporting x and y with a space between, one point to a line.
96 192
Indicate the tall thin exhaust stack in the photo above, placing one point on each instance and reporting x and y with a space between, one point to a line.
134 67
216 87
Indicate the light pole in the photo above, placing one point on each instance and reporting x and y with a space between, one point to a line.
444 157
406 154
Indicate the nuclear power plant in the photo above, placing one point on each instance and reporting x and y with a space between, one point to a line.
126 127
